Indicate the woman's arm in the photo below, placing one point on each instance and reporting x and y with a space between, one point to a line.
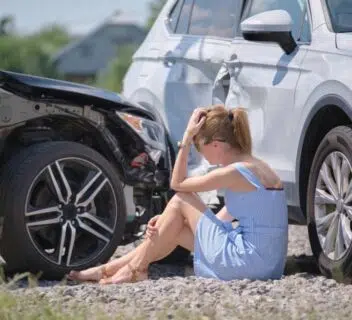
217 179
179 173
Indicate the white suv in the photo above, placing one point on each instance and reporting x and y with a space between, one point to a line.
287 62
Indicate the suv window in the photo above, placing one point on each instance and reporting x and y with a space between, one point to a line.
204 17
341 15
296 8
213 18
305 31
183 20
175 15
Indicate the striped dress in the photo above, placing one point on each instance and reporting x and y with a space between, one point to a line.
257 247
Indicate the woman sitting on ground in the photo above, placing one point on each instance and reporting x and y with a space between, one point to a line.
255 249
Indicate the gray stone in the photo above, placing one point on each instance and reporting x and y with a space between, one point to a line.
299 295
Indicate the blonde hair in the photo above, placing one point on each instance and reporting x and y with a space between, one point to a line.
230 126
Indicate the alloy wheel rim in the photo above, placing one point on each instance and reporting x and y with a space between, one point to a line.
333 205
71 212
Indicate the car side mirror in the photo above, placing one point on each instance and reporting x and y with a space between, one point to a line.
270 26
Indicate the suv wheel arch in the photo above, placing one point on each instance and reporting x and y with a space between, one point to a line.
94 138
318 123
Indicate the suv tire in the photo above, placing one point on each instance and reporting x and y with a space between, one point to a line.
85 230
329 205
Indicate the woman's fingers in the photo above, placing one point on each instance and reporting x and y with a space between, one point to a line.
152 228
150 224
201 122
200 111
199 125
198 115
150 233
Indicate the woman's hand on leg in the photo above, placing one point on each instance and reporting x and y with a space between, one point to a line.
152 229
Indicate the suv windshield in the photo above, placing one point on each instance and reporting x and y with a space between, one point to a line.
340 14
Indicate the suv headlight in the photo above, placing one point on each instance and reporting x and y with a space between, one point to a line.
150 131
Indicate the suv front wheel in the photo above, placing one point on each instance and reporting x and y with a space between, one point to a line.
329 204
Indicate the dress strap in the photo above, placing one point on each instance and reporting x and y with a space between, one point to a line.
248 175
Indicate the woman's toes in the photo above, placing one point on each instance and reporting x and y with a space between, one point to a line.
105 281
72 275
125 275
91 274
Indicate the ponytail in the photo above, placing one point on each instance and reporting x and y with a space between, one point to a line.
230 126
242 134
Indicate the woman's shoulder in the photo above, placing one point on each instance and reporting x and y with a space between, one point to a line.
264 173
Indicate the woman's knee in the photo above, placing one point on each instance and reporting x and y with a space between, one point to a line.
176 201
180 198
183 199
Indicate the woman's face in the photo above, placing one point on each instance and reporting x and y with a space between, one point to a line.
213 152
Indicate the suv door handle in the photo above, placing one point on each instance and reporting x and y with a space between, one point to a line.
232 63
169 62
169 59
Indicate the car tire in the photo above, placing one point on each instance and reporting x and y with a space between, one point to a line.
83 232
329 207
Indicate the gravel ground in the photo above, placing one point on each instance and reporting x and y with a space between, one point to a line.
174 292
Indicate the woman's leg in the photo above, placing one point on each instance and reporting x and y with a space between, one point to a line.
183 206
185 238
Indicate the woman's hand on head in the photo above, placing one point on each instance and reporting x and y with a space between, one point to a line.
195 122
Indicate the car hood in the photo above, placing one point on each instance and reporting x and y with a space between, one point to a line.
45 88
344 41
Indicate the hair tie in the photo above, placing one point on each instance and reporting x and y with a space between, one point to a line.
230 115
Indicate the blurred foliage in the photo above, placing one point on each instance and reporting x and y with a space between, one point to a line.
154 8
32 54
112 77
6 25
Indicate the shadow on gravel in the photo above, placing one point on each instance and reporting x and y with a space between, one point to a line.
294 264
299 264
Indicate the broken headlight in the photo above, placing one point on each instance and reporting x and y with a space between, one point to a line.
152 133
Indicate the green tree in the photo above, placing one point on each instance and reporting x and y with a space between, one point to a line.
6 25
32 53
25 55
154 9
112 77
52 38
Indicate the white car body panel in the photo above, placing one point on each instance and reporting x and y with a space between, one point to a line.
280 91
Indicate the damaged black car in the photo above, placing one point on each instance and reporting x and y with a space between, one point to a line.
82 171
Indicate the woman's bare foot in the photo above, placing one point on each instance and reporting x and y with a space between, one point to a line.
126 274
91 274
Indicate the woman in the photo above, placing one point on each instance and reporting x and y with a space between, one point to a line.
256 249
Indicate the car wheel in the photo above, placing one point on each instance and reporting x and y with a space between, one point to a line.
329 205
63 209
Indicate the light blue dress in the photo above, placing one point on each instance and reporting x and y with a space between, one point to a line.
257 248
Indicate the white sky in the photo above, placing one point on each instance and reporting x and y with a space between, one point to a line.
78 15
